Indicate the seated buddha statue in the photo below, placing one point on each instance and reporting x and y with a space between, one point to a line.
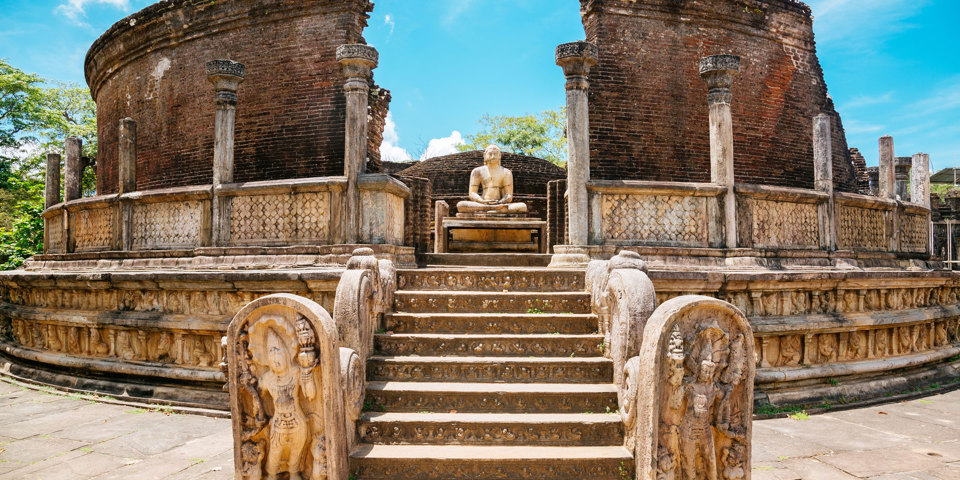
497 185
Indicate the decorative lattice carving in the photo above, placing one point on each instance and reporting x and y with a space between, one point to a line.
54 226
782 224
281 218
861 228
655 220
167 225
93 229
914 233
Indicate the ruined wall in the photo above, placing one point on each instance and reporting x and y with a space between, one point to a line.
290 122
648 107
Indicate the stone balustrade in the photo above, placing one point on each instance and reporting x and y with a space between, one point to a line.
291 212
670 214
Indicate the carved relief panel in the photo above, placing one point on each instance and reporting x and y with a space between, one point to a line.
93 229
167 225
861 228
693 382
654 220
286 396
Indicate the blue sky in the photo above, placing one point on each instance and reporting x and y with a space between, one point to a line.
891 65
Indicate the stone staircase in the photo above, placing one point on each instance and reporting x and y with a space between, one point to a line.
490 373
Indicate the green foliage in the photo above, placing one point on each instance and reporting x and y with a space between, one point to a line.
540 135
36 119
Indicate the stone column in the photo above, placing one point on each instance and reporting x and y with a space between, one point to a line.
719 71
51 192
576 59
823 178
226 76
73 171
888 179
358 62
920 180
128 156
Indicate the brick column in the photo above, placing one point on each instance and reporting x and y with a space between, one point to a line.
51 191
73 171
823 179
719 72
358 62
888 178
576 59
226 76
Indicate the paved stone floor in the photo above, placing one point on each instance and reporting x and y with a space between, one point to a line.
48 436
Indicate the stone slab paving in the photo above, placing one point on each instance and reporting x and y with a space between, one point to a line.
47 436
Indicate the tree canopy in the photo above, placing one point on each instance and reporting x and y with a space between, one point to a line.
35 119
540 135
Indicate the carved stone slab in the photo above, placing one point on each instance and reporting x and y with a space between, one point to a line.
286 395
693 382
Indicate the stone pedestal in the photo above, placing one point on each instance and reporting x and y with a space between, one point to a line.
719 72
485 233
226 76
358 62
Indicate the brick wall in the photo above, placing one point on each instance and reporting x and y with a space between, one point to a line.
290 117
450 177
860 171
648 107
557 212
418 211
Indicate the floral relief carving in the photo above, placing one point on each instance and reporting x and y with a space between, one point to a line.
93 229
861 228
914 233
279 218
654 219
779 224
167 225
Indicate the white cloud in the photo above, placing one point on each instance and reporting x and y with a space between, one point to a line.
390 150
854 126
76 9
859 25
866 101
443 146
388 20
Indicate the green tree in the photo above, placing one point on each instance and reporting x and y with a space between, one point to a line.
36 119
540 135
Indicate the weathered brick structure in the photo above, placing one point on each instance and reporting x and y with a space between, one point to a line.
450 177
290 121
648 114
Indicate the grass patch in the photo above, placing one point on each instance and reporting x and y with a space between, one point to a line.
799 416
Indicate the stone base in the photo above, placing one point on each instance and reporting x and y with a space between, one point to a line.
485 234
570 256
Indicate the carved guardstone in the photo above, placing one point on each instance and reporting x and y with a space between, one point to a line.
693 382
287 391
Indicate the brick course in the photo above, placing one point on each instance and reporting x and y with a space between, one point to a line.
291 111
648 107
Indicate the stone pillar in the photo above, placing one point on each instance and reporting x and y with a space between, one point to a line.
226 76
51 192
358 62
719 71
920 180
888 179
823 178
576 59
128 156
73 171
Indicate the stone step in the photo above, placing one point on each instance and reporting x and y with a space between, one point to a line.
544 429
492 280
491 369
416 462
509 260
490 397
551 345
416 301
491 323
